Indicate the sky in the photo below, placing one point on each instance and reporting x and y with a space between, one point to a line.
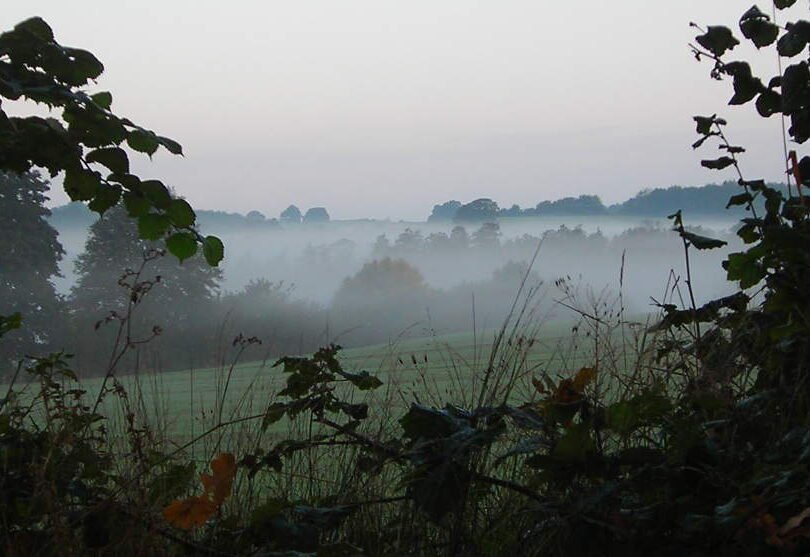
383 108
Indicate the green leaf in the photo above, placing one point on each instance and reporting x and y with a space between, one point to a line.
717 40
363 380
757 28
739 199
81 184
171 145
575 445
748 233
113 158
106 197
782 4
181 213
129 181
136 204
153 226
156 193
37 27
717 164
273 414
795 87
702 242
795 40
182 245
704 124
421 422
626 416
103 99
769 103
213 250
746 86
83 66
143 141
745 268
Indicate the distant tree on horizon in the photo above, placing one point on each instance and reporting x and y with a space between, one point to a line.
479 210
255 216
445 211
582 205
513 211
291 214
316 214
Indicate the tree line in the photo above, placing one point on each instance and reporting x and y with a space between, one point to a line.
659 202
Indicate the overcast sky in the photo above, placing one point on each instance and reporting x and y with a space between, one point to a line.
381 108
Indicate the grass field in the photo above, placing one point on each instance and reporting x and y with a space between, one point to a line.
180 405
433 370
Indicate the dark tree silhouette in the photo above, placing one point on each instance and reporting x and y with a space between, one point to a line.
29 259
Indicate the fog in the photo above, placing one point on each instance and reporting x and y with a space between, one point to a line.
458 274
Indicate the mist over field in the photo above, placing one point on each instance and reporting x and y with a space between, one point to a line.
459 273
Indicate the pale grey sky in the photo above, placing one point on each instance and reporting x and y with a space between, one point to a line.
381 108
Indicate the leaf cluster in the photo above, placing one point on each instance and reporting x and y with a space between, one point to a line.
89 143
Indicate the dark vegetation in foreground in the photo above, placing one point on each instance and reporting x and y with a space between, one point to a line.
697 445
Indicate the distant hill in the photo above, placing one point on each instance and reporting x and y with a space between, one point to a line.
660 202
708 200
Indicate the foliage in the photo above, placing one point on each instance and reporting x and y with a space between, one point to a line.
775 259
87 143
444 212
479 210
582 205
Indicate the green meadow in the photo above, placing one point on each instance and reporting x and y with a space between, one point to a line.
433 370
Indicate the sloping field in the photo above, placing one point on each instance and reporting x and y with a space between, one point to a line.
181 405
433 370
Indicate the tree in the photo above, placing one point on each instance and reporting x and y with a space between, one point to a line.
459 239
437 242
87 143
382 299
480 210
582 205
179 293
255 217
409 241
29 258
291 214
444 212
316 214
488 236
513 211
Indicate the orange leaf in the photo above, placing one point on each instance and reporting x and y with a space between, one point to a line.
219 484
583 378
190 513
